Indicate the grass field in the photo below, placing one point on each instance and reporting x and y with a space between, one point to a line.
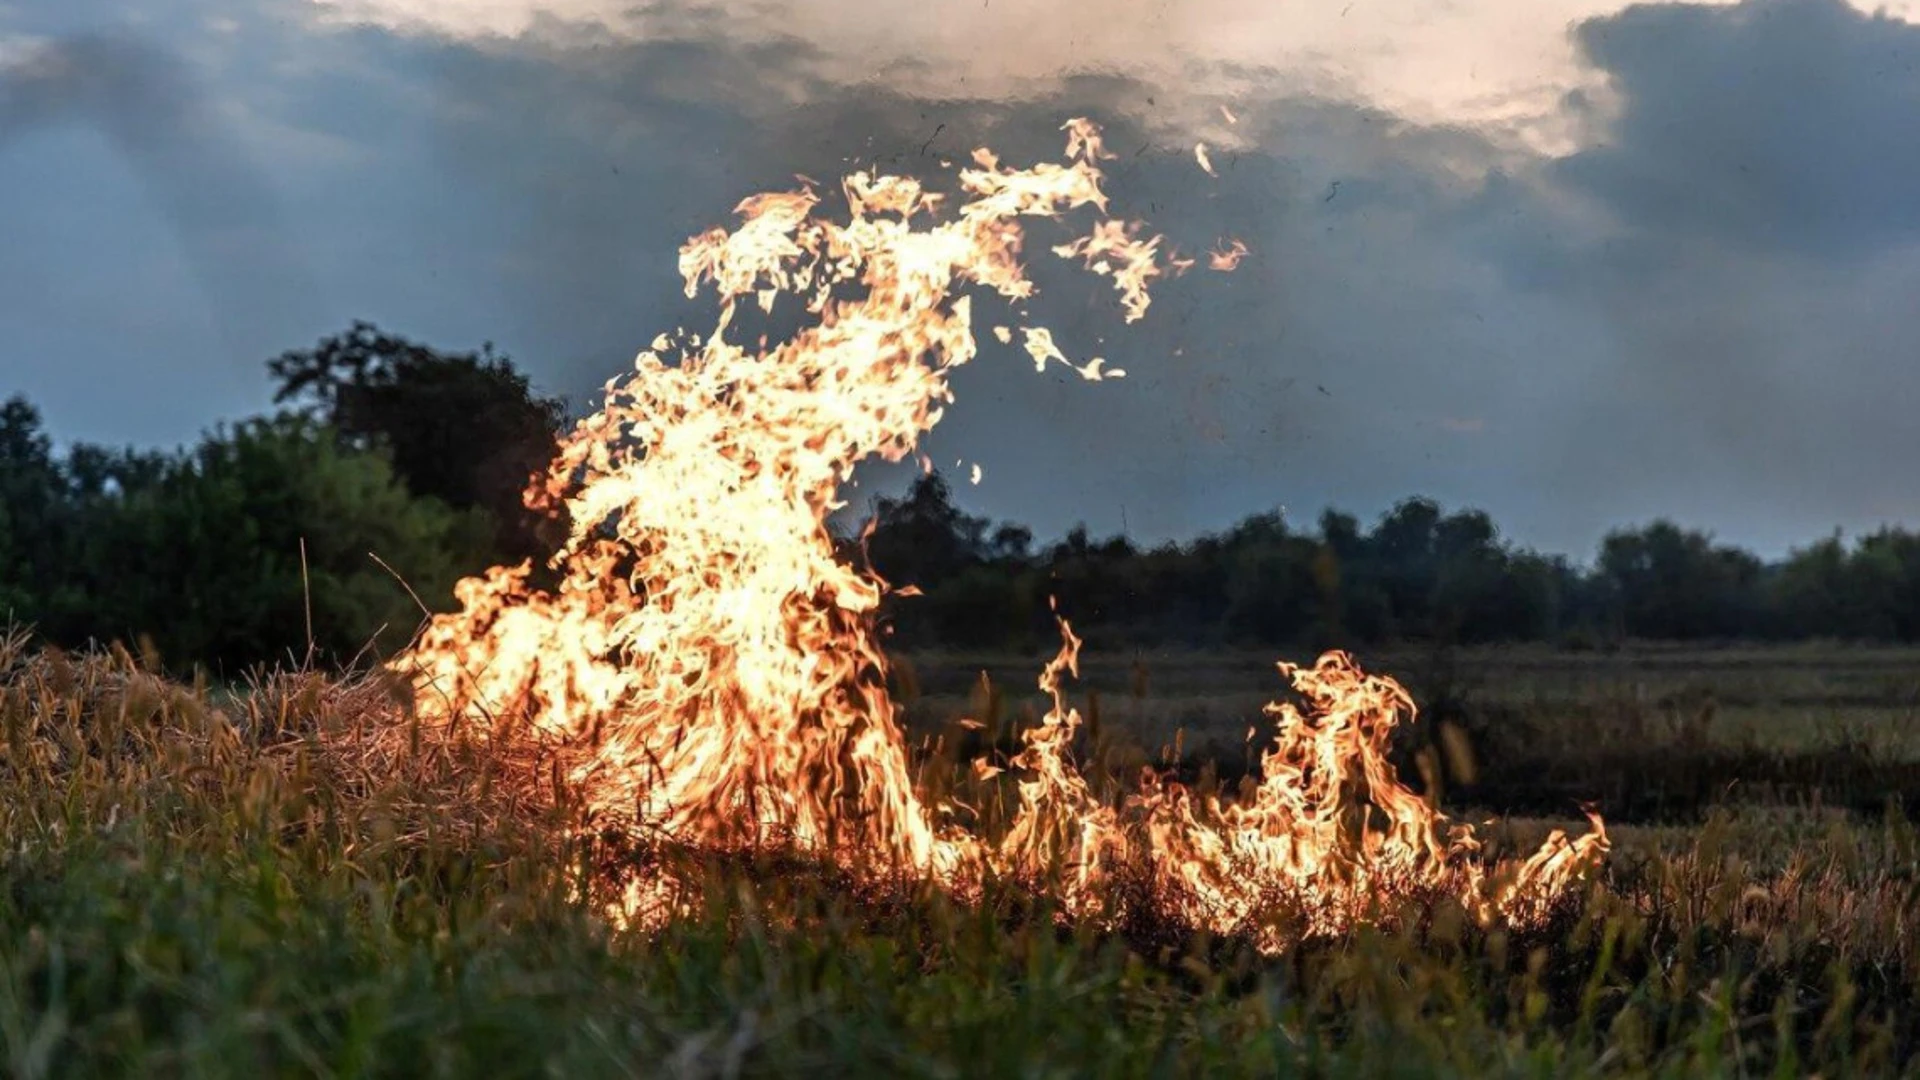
1652 733
192 889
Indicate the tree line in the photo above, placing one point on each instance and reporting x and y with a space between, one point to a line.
320 534
1417 574
324 533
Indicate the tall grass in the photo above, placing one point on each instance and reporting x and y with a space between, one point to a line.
270 882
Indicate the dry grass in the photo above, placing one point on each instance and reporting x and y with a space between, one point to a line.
290 879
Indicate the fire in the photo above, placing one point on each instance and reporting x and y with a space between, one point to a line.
1226 258
707 666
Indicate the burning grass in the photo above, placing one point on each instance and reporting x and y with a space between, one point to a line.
264 883
709 664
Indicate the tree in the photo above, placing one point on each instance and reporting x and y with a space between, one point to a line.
1871 591
1402 546
1888 563
1011 545
1815 593
33 518
924 538
226 555
464 428
1354 600
1482 591
1666 582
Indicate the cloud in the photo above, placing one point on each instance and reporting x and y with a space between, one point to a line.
1406 272
1517 292
1733 236
1333 352
1774 126
1494 61
154 112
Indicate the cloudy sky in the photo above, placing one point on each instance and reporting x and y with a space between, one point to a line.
1578 263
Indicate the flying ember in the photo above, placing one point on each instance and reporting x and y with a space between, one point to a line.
1226 258
707 665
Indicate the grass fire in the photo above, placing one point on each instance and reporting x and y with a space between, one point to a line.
655 767
707 670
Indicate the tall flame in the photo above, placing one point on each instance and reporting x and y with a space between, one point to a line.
709 662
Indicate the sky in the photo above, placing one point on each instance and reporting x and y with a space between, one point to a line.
1578 263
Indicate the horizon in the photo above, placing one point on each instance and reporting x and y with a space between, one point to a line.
861 502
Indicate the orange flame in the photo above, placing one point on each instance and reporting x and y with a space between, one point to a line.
1226 259
711 664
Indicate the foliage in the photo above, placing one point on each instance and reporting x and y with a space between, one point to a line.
1677 584
258 542
1419 574
198 550
417 457
463 428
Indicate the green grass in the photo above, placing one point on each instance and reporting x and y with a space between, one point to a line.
268 888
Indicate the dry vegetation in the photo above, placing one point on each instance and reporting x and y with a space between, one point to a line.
1652 734
279 879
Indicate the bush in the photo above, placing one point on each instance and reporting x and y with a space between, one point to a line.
199 555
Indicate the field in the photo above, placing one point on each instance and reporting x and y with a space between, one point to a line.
1655 734
203 883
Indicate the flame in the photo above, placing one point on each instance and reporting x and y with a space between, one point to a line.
1040 345
707 666
1206 162
1226 258
1114 250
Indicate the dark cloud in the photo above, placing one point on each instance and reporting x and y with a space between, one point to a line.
1757 168
1771 125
